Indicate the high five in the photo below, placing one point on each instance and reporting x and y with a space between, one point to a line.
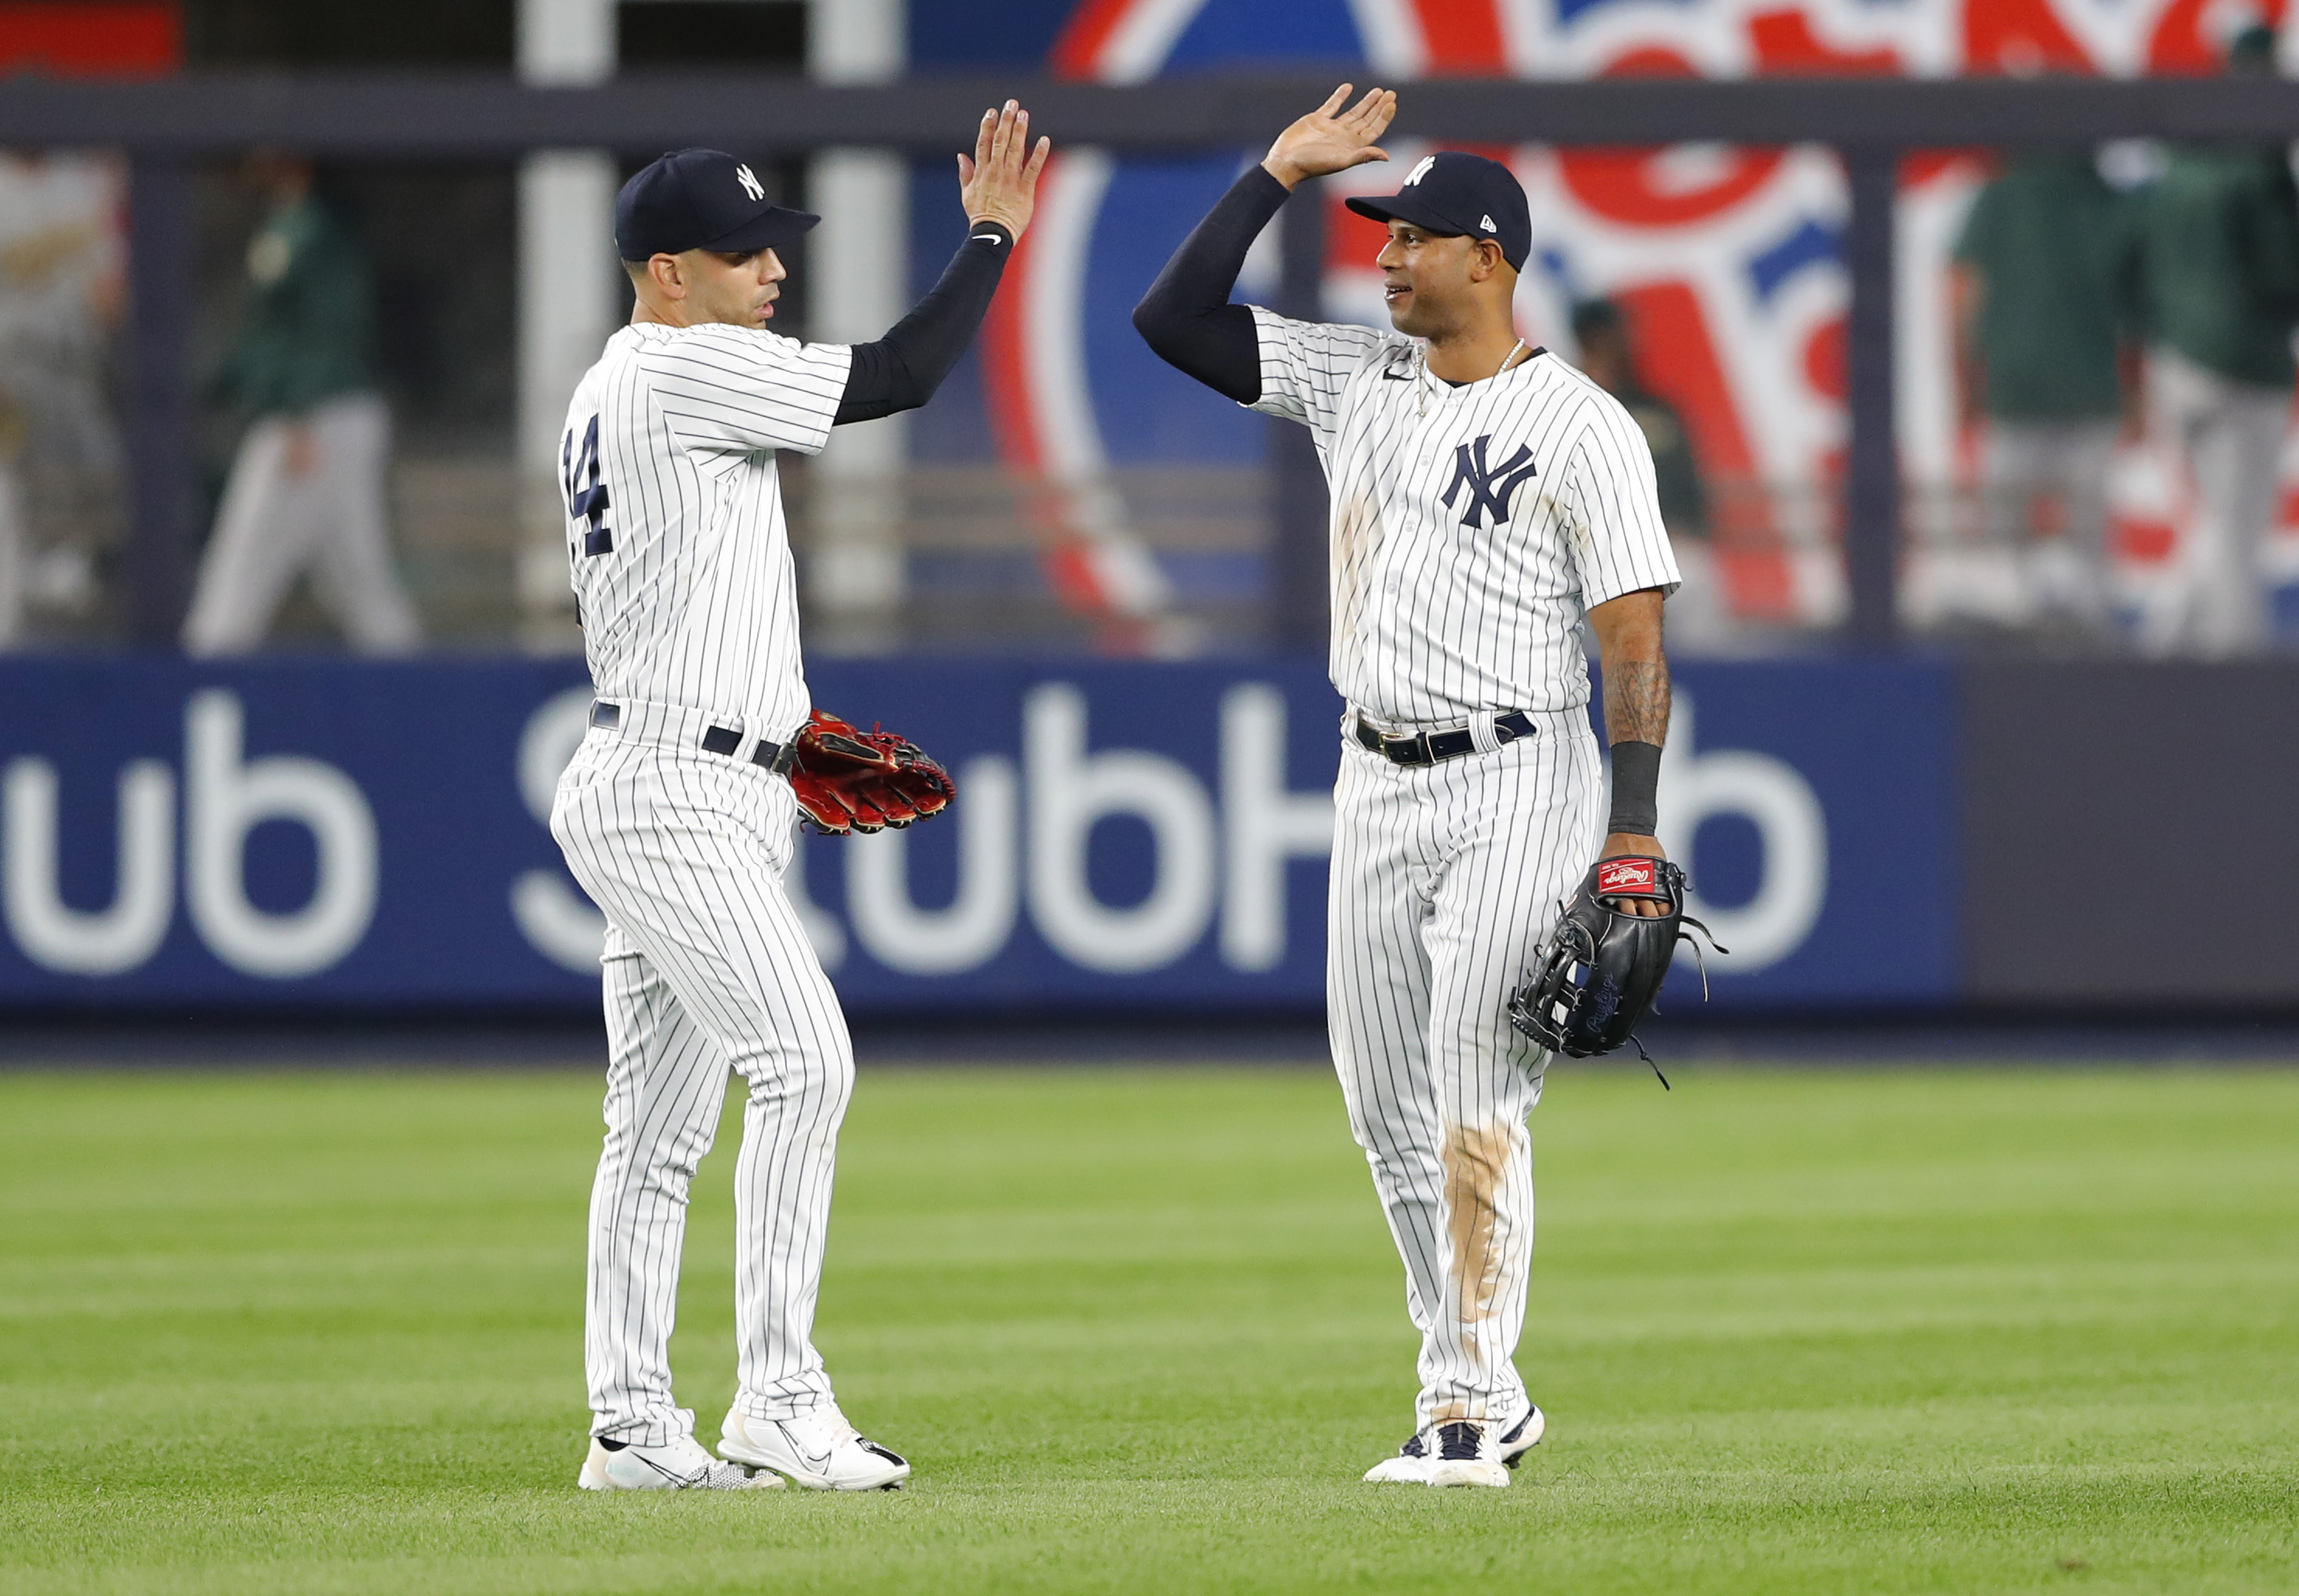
1486 499
675 814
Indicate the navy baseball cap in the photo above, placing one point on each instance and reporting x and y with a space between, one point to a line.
1457 195
701 199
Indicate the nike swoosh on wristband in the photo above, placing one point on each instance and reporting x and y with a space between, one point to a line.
993 238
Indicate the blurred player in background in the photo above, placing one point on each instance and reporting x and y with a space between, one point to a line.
2045 297
1697 618
2220 254
60 296
306 491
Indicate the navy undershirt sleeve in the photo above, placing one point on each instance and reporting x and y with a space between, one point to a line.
901 371
1186 316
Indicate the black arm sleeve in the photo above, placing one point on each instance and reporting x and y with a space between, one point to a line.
1186 316
901 371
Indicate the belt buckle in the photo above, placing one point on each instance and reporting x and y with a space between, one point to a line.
1411 748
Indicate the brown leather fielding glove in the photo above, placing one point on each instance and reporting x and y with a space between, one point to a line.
850 780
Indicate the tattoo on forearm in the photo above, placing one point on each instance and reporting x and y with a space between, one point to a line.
1636 701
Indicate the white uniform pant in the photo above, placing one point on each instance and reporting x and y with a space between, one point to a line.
1444 879
2021 461
2230 435
707 969
330 520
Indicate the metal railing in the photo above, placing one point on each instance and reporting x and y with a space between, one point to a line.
1869 121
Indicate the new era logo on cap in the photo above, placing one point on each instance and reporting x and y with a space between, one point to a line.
1486 223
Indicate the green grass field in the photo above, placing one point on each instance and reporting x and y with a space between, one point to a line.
1141 1331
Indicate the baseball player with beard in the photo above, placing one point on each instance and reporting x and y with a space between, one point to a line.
677 813
1486 500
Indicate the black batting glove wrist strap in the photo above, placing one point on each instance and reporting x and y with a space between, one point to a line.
1636 786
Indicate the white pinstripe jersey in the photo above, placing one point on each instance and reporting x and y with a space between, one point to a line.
681 556
1473 528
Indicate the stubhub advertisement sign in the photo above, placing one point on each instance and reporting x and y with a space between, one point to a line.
305 833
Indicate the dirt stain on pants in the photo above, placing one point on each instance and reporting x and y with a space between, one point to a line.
1476 1161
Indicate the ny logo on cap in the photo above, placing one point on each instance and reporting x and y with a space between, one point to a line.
1421 171
751 184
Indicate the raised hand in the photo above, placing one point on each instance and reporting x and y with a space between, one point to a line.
999 182
1330 139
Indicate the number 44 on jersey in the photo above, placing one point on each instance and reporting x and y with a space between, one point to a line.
586 489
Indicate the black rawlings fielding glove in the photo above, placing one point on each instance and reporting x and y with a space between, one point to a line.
1594 980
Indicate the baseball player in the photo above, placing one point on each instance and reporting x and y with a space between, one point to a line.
307 489
61 290
676 813
1486 500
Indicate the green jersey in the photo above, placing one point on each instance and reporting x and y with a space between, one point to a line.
2056 252
1683 502
309 328
2223 260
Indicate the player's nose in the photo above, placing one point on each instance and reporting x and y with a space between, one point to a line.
770 267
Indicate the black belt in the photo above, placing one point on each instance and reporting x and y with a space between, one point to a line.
769 754
1426 748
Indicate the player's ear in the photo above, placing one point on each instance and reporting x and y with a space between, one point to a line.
669 275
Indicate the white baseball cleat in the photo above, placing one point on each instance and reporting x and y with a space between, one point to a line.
1523 1436
1410 1466
819 1450
1464 1452
682 1466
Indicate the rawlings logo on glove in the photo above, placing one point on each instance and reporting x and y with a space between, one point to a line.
847 779
1633 877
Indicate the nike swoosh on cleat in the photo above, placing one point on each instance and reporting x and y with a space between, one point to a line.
682 1479
816 1463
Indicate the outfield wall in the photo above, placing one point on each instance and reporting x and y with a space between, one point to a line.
313 833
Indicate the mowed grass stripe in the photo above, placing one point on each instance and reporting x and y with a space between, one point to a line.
1941 1331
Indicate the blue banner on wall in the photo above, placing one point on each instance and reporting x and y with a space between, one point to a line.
311 833
1814 806
277 832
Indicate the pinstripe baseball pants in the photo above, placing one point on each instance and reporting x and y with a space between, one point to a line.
706 970
1444 878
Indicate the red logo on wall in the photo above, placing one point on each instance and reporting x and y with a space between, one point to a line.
110 38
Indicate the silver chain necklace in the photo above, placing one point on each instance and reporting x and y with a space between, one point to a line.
1421 373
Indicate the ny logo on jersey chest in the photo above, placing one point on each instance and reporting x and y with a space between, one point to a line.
1489 486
